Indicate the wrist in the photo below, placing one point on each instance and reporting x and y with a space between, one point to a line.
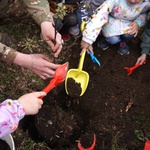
46 23
23 60
21 110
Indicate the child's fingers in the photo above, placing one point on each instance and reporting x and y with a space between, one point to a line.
135 34
39 107
82 51
38 94
91 49
41 102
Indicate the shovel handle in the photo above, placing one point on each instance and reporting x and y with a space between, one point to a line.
136 66
81 60
94 59
50 86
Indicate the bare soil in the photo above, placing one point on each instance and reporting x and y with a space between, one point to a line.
115 106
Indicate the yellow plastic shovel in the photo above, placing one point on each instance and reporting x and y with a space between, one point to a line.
79 75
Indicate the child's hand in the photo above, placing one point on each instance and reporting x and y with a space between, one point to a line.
31 102
134 28
141 59
87 46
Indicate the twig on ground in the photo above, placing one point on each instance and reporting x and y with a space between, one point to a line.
130 103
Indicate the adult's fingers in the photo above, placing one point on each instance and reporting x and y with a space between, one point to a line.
47 58
41 74
58 42
48 71
52 66
47 75
51 44
43 77
58 51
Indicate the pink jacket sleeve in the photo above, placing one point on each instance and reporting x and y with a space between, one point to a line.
11 112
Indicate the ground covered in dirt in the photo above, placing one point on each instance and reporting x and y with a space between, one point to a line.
115 107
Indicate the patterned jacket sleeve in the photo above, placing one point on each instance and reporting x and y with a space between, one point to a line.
141 20
7 54
98 19
39 9
11 112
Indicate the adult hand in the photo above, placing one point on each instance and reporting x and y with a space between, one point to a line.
134 28
87 46
48 34
31 102
38 63
141 59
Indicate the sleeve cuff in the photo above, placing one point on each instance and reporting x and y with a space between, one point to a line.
87 40
9 55
139 22
20 109
145 51
42 18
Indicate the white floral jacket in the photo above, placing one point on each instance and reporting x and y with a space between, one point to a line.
113 18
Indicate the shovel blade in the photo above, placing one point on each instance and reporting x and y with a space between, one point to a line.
81 77
61 73
147 145
128 70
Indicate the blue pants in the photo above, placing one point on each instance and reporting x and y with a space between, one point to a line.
118 38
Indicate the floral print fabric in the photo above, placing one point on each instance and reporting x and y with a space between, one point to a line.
11 112
113 18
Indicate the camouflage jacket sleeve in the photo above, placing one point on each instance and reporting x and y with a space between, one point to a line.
7 54
39 9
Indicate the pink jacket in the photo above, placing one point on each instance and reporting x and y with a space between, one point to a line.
11 112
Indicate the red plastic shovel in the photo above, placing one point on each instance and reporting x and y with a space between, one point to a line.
147 145
145 138
90 148
132 68
59 77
